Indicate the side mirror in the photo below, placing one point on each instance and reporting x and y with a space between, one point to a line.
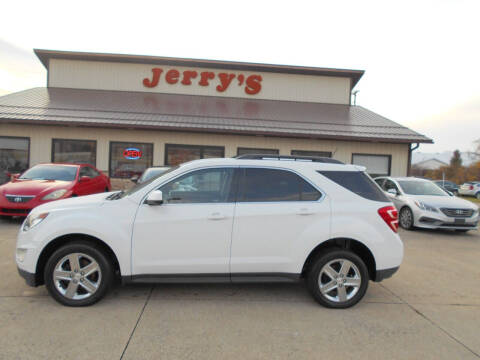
154 198
84 179
392 192
449 193
134 179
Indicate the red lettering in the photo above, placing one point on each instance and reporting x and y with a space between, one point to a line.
187 76
253 84
225 80
205 76
172 76
155 79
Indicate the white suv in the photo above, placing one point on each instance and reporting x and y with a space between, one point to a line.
219 220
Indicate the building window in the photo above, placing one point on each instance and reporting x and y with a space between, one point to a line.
74 151
244 151
14 156
377 165
129 158
178 154
311 153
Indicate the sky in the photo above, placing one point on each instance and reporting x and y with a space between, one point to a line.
421 58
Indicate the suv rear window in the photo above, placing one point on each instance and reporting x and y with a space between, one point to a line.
357 182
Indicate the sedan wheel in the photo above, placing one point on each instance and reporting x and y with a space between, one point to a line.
78 274
338 279
478 195
406 218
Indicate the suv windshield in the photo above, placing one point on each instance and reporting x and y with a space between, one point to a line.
415 187
140 186
50 172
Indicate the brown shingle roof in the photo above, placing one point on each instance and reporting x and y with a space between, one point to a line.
201 114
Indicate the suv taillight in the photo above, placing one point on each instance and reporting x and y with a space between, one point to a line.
471 187
390 215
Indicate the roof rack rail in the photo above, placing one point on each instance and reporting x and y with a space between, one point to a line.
289 158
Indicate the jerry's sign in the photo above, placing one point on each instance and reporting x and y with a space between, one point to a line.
252 84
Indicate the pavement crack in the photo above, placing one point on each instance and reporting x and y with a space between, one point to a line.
138 321
431 322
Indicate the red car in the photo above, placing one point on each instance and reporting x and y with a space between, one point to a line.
48 182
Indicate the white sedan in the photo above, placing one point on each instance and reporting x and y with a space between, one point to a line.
422 203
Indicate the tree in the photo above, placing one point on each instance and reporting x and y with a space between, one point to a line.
456 160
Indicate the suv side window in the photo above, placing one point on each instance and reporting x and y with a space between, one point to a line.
272 185
200 186
357 182
389 184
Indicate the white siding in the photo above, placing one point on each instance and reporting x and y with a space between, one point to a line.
41 142
129 77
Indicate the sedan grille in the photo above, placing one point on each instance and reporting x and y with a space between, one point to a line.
457 212
19 199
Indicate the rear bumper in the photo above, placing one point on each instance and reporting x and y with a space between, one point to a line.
385 273
30 278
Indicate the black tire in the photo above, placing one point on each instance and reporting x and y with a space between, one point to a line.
403 220
313 279
477 195
106 189
104 276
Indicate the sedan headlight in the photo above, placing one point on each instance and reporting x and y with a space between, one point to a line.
31 221
426 207
55 194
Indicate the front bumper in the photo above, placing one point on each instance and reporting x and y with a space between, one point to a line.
385 273
430 220
30 279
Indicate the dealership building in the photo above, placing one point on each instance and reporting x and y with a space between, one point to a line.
124 113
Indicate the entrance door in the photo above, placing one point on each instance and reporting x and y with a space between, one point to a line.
190 233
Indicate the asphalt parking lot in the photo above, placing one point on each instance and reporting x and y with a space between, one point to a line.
430 310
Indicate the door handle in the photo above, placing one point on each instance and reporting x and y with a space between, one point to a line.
305 211
216 216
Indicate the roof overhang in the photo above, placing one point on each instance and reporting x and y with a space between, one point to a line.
134 110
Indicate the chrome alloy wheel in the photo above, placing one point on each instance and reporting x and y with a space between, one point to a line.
339 280
77 276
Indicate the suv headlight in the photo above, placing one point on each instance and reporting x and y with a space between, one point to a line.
31 221
55 194
426 207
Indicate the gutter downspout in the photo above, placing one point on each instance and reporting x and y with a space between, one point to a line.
410 150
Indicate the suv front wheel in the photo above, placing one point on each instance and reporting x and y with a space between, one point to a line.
78 274
338 279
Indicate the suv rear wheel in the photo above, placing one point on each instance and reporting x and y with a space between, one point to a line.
78 274
338 279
